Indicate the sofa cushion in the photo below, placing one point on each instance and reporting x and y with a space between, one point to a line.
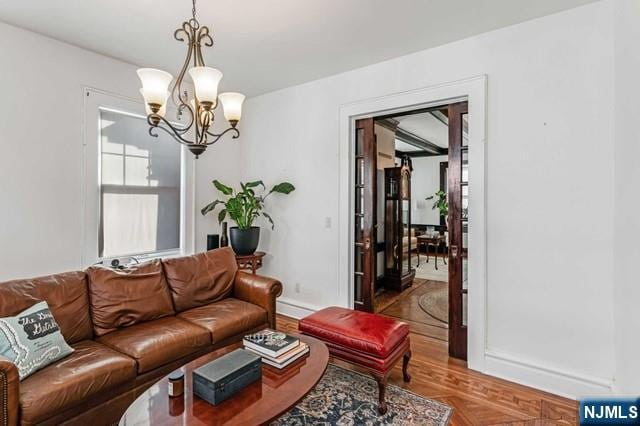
32 339
122 298
155 343
65 293
200 279
90 370
226 318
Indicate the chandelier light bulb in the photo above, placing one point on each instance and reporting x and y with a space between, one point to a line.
232 105
206 80
155 85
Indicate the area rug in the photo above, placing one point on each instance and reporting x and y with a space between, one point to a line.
427 270
435 302
345 397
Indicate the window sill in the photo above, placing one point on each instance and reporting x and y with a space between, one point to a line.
141 258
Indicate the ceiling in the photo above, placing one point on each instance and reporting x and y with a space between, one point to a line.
264 45
426 126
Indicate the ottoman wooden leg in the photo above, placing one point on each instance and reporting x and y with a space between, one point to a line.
382 387
405 364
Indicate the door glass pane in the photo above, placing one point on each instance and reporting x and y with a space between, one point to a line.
464 309
357 267
358 236
358 223
358 290
465 273
465 130
464 191
465 165
406 240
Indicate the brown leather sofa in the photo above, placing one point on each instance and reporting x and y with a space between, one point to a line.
129 329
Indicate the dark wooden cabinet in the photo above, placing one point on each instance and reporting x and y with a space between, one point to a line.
399 273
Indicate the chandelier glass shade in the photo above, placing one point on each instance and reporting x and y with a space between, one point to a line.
200 107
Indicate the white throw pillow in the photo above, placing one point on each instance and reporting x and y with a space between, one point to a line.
32 339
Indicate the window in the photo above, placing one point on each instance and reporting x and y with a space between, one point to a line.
139 210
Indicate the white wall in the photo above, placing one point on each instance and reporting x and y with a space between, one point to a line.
41 148
550 221
41 199
221 161
627 197
425 182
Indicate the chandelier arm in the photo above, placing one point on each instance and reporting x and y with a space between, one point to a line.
219 135
172 131
186 34
174 136
202 35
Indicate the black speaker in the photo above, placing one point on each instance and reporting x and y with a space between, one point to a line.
213 241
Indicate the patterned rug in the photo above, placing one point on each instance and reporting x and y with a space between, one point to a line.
345 397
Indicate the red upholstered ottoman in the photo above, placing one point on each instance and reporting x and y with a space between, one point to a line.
367 340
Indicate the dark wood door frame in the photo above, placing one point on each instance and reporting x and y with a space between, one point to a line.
457 330
366 213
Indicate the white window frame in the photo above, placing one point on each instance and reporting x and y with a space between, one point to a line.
95 100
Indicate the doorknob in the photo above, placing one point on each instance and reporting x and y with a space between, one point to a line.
454 251
367 244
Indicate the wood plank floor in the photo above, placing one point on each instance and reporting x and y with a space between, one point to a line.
405 306
477 399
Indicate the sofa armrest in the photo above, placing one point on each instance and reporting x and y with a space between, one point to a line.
259 290
9 393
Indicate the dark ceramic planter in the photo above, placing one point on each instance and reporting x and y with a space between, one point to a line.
245 241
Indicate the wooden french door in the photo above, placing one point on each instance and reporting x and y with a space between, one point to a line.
364 188
457 226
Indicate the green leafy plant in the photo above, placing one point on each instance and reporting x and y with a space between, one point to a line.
244 206
441 203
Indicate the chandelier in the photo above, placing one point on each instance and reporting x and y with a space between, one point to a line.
196 135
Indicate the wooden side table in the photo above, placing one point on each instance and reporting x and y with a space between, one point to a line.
250 262
435 241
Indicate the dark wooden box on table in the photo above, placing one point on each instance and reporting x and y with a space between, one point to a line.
224 377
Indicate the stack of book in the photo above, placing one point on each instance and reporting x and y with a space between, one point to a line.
277 349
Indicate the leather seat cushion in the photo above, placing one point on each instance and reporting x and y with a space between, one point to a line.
90 370
226 318
66 294
122 298
155 343
361 331
200 279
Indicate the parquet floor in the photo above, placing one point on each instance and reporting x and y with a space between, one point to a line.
477 399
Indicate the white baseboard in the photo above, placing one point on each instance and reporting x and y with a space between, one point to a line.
294 309
570 385
504 366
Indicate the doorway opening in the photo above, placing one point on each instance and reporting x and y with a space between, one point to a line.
411 204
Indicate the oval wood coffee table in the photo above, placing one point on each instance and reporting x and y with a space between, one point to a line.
260 402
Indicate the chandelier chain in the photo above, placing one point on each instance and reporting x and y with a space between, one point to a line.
193 10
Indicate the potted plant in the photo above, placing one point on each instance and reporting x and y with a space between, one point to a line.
243 207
